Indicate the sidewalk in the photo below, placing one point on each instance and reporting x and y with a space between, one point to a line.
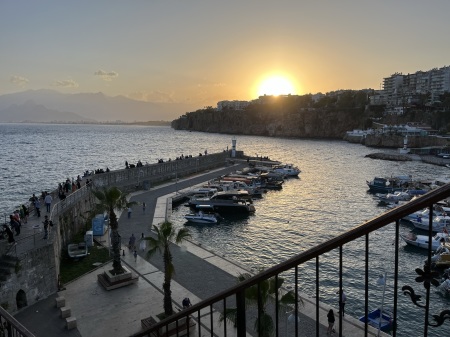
200 273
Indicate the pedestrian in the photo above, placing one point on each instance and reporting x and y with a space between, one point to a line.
342 300
135 256
331 320
14 224
132 242
37 206
129 212
143 207
46 224
48 201
9 232
186 303
142 244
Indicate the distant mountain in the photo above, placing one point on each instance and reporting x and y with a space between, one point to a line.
49 105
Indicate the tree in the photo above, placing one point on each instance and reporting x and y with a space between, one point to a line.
111 200
165 234
268 288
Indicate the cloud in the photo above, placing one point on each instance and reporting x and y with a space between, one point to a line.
19 80
106 75
65 84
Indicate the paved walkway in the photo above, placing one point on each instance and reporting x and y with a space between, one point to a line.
200 273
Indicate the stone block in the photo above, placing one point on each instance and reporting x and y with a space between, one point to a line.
71 323
65 312
60 302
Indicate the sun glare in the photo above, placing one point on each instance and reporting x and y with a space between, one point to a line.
276 86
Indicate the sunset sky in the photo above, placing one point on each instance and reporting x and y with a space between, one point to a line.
203 51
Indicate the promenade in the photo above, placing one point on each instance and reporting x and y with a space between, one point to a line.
199 273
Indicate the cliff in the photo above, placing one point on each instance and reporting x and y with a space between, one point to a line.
306 123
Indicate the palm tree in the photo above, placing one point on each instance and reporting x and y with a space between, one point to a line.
111 200
165 234
264 325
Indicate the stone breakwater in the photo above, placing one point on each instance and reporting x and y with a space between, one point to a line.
429 159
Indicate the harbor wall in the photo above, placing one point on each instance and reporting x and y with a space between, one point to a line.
35 273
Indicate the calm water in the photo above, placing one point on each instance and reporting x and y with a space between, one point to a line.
329 197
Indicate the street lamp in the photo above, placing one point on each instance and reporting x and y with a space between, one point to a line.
381 281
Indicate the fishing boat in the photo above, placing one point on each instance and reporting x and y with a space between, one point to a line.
389 185
422 241
437 225
288 170
201 217
224 202
384 323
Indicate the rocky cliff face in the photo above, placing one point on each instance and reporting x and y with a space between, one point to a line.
302 124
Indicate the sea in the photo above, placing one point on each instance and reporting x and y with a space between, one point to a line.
329 197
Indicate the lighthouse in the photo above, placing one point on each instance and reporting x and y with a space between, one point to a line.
404 149
233 147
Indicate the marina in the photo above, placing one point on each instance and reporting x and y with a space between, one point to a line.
331 198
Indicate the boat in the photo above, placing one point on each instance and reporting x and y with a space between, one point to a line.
224 202
77 250
200 217
395 197
373 318
288 170
389 185
437 225
422 241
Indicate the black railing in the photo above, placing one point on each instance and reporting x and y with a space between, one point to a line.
9 326
208 313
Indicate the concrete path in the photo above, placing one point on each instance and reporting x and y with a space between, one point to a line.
200 273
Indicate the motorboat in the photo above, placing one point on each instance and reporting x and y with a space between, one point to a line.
438 224
200 217
224 202
384 323
77 250
389 185
288 170
388 198
422 241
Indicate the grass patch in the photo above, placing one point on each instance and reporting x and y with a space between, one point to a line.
71 269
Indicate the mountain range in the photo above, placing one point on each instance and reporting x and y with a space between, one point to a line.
41 106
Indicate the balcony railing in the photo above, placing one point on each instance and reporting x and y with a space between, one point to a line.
208 313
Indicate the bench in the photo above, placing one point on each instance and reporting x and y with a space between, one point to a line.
184 324
71 323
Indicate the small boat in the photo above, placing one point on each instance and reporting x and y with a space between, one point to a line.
389 185
438 224
288 170
201 217
421 241
384 324
388 198
77 250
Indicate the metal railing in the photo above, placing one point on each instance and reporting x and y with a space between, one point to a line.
206 312
9 326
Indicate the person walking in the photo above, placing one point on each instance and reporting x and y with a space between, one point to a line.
135 255
37 206
48 201
46 224
14 224
342 300
142 244
132 242
331 319
129 212
9 233
143 207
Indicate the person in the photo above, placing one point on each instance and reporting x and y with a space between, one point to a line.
186 303
46 224
48 201
342 300
26 213
331 319
9 233
14 224
143 207
37 206
142 244
129 212
132 242
135 255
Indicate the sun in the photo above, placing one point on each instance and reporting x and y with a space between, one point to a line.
275 86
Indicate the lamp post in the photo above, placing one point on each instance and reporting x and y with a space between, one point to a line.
381 281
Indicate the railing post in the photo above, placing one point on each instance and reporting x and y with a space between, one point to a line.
240 319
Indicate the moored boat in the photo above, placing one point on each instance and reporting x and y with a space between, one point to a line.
225 202
201 217
389 185
438 224
422 241
77 250
384 323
